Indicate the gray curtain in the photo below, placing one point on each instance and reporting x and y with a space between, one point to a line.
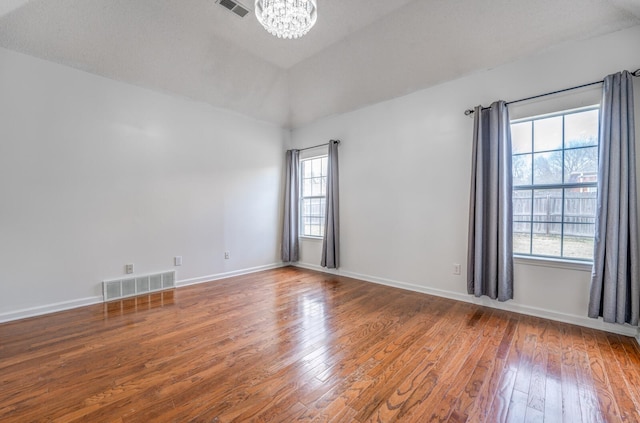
291 207
490 248
615 282
331 240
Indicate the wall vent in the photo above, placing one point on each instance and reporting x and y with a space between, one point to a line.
131 286
234 6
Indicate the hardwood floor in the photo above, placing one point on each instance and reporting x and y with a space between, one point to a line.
294 345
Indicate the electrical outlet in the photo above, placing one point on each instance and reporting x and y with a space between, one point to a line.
128 268
227 255
177 261
456 269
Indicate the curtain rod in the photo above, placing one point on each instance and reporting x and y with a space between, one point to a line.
319 145
635 73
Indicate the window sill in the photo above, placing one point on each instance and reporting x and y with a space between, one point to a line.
583 266
316 238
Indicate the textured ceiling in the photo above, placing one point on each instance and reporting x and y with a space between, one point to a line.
359 52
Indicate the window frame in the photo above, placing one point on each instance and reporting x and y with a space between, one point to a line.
301 197
582 264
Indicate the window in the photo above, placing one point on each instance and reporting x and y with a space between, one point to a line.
555 175
313 196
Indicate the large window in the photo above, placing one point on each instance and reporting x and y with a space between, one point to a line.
555 174
313 196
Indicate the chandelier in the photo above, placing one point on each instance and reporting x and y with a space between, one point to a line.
287 18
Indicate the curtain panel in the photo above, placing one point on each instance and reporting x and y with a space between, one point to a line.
289 249
331 239
490 244
615 280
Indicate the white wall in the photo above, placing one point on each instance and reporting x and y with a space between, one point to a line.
95 174
405 174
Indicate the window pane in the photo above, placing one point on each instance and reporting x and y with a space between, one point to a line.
521 238
522 205
312 207
579 217
547 168
521 137
317 207
316 167
521 168
580 247
547 134
581 129
306 187
580 205
581 165
316 188
547 210
546 245
306 169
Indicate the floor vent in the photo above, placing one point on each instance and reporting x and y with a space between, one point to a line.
234 6
131 286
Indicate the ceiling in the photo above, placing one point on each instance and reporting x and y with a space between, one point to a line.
359 52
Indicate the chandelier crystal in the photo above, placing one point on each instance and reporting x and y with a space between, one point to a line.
287 18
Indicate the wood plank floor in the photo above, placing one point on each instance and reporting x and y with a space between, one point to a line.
291 345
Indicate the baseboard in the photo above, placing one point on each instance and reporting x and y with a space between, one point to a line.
218 276
68 305
485 301
508 306
47 309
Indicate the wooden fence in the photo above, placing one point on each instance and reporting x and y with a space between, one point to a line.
579 213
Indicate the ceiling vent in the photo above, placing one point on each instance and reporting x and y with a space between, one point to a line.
234 6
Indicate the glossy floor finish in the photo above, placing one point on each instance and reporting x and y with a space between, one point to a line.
293 345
